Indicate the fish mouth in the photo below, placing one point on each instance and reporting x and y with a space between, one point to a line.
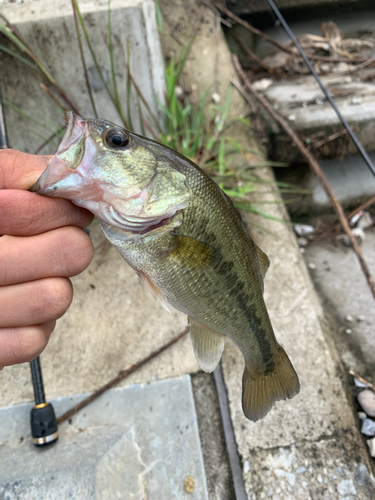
61 175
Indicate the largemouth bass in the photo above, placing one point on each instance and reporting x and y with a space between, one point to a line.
186 241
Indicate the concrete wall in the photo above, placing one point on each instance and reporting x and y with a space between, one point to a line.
49 28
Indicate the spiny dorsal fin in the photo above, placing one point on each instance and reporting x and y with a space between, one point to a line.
263 261
154 290
191 252
208 345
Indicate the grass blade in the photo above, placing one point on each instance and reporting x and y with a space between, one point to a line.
88 86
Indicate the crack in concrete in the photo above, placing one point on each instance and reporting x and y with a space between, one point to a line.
147 468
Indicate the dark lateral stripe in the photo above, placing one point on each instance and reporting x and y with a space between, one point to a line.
263 343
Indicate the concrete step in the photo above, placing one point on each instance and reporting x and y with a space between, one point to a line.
302 103
244 7
350 178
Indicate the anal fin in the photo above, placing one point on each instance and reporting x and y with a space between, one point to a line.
208 345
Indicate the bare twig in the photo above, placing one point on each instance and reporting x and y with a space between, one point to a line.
123 374
361 379
315 168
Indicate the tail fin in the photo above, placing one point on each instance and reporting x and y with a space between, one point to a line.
260 391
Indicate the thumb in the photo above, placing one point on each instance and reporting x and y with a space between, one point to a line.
20 170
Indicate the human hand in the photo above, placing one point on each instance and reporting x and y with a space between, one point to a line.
41 247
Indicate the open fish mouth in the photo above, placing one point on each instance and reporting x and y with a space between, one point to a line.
62 174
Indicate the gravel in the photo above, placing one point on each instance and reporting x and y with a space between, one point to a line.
366 399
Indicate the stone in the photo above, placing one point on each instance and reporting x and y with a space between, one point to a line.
311 266
361 415
366 399
262 84
302 242
349 318
358 383
303 229
368 427
371 446
365 221
362 475
346 487
359 234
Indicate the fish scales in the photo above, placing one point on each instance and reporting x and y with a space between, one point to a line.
186 241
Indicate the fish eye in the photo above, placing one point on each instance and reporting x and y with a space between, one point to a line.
116 139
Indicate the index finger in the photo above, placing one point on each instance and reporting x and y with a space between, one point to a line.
20 170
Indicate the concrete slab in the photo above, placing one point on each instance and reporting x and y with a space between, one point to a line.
112 322
136 442
344 291
49 29
324 470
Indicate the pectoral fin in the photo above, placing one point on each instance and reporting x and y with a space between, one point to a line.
191 252
208 345
154 290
